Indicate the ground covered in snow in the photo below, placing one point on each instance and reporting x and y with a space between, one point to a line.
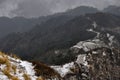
16 69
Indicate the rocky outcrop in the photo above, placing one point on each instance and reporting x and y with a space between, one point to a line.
96 59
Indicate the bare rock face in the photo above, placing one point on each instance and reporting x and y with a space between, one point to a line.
97 64
104 65
96 59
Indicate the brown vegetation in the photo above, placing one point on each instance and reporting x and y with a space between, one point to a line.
26 77
45 71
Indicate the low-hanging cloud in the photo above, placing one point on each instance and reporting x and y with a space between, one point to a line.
36 8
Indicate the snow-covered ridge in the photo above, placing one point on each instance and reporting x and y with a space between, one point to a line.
16 69
69 68
97 42
87 46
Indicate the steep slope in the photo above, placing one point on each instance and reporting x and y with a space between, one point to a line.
96 64
93 56
98 55
12 68
17 24
59 33
63 34
20 24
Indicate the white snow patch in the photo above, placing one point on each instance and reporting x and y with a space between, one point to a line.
90 30
94 24
108 35
63 70
89 45
28 67
22 67
104 54
81 59
111 40
94 52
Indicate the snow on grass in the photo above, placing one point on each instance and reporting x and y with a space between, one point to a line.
17 68
28 67
63 70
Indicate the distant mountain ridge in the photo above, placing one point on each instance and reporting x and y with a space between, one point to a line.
75 45
81 10
58 33
17 24
113 10
20 24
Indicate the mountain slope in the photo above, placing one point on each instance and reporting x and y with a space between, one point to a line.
17 24
99 55
59 33
12 68
113 10
36 41
20 24
91 56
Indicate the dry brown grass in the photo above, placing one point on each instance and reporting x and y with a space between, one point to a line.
14 56
14 68
40 78
14 78
2 60
26 77
7 73
44 70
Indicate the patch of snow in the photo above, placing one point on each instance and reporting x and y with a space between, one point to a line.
94 24
81 59
57 51
91 30
94 52
89 45
22 67
63 70
110 39
104 54
3 77
28 67
108 35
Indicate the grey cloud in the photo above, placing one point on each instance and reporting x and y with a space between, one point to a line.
35 8
1 1
32 8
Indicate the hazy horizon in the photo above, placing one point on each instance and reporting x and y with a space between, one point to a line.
37 8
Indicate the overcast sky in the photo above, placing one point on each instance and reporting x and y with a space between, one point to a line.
35 8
